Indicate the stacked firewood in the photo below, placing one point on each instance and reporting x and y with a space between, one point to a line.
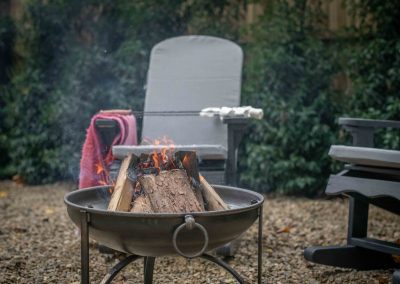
163 182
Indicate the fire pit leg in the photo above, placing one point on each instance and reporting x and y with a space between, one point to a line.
260 233
117 268
85 219
224 265
148 269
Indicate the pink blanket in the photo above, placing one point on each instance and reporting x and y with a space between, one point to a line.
94 166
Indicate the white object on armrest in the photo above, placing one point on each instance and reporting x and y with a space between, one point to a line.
256 113
223 112
210 112
227 111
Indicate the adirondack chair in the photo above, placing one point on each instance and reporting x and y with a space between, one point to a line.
371 176
187 74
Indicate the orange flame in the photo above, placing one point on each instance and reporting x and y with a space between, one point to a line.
102 171
186 161
161 157
111 189
154 157
99 168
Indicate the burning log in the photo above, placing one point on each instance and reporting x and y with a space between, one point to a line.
189 163
163 183
213 200
170 191
123 191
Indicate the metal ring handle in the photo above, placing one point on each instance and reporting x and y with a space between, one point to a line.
190 223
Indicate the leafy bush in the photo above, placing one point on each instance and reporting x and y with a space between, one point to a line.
289 73
375 66
33 131
7 31
78 57
6 44
73 58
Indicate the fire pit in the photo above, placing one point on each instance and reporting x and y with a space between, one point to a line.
159 234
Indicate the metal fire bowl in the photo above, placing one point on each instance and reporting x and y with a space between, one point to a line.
152 234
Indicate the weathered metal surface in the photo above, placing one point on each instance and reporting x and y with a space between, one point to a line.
151 234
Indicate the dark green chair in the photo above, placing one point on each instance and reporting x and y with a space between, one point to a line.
370 176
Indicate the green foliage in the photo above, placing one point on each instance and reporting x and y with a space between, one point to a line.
7 31
73 58
76 58
375 66
105 67
289 74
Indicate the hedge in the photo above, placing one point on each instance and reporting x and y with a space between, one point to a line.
73 58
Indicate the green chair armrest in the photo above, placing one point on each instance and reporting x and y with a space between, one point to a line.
362 130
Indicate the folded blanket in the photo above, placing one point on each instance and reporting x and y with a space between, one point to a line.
95 163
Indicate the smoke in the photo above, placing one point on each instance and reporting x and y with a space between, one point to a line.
74 59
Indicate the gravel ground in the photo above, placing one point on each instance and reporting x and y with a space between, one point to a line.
39 244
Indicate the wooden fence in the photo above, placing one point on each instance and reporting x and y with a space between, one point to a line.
337 17
337 13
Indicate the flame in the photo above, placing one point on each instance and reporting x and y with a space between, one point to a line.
186 161
155 159
104 183
99 168
162 158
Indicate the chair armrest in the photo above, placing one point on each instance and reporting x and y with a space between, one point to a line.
236 120
102 123
362 130
108 129
117 111
236 129
360 122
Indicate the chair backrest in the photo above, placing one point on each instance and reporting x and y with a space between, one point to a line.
189 73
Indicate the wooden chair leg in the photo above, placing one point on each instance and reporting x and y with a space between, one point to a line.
358 218
349 257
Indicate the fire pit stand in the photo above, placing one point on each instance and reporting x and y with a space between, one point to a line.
150 235
150 260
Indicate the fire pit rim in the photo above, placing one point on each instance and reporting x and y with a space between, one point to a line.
259 202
